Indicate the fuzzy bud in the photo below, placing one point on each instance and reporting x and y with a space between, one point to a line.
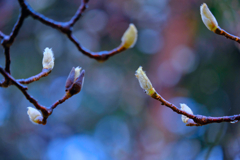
144 81
208 18
185 108
34 115
77 73
48 59
129 38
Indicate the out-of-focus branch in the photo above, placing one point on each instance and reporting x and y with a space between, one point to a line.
79 12
191 120
100 56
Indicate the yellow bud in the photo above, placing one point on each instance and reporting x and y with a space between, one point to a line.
144 81
48 59
208 18
129 38
34 115
185 108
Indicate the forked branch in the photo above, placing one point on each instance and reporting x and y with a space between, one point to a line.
76 77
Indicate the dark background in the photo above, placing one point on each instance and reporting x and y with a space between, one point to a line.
112 118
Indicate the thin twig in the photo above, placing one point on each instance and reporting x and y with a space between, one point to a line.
221 31
198 120
44 73
79 12
100 56
66 96
66 28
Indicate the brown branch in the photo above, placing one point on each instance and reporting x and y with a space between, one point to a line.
100 56
44 73
66 28
66 96
79 12
194 120
222 32
198 120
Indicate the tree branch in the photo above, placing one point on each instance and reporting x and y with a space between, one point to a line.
222 32
66 28
44 73
192 120
198 120
79 12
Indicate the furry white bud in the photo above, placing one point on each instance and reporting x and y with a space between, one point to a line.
129 38
208 18
34 115
144 81
77 73
185 108
48 59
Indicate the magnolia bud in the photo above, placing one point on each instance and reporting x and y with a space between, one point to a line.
185 108
48 59
208 18
34 115
75 81
129 38
144 81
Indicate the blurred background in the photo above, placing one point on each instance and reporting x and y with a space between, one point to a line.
112 118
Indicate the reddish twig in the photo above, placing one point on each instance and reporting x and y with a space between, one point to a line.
185 111
79 12
44 73
198 120
66 28
100 56
221 31
66 96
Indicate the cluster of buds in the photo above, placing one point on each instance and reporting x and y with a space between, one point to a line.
74 81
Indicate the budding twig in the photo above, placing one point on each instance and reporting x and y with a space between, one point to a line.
194 120
211 23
